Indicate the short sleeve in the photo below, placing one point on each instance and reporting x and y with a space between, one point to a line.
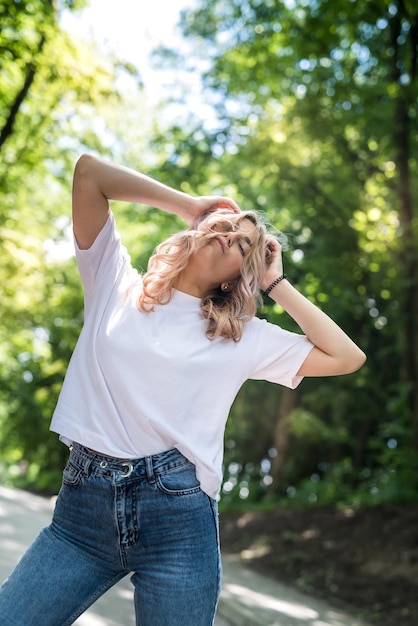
101 264
279 355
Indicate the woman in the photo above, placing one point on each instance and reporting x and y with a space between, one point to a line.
146 397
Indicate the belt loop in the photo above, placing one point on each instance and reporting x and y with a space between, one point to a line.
86 465
149 469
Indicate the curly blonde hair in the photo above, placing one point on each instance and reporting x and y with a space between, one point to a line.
226 313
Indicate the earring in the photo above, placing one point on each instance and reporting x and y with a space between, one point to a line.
225 287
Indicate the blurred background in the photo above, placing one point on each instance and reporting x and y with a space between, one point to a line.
305 110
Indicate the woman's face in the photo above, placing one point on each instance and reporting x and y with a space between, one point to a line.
234 244
220 260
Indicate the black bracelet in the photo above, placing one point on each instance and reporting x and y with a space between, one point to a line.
274 283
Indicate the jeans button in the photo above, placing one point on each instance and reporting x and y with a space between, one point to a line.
129 470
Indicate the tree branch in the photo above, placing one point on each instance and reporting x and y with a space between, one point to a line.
31 68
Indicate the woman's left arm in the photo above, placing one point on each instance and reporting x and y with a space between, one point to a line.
334 352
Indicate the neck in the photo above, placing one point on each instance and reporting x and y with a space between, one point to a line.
190 288
192 283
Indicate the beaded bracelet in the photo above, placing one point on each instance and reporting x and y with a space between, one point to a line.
274 283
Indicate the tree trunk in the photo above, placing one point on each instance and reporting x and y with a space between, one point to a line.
282 437
409 258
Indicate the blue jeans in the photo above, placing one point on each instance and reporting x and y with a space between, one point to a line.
148 517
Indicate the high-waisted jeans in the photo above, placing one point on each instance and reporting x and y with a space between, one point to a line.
147 517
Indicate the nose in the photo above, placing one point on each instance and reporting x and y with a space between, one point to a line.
231 238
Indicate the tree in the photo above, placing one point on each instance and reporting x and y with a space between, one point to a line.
57 96
316 125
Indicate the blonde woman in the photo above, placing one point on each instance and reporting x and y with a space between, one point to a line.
146 397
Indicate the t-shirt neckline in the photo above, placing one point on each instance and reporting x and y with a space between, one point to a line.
183 299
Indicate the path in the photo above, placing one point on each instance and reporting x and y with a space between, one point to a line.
247 599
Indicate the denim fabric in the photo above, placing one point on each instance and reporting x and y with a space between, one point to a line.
148 517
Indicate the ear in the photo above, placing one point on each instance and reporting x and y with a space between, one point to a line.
227 287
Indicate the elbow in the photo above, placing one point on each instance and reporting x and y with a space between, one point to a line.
86 174
84 164
355 361
81 170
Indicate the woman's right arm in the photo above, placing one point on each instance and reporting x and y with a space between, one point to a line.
97 181
334 353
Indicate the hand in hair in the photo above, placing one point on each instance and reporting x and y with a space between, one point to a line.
207 204
274 262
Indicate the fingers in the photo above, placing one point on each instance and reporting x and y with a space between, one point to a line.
210 204
227 203
274 262
273 249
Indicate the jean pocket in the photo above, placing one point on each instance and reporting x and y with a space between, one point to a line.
71 475
180 481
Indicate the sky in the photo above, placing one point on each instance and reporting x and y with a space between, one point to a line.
131 28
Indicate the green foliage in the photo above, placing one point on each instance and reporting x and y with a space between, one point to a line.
58 99
314 124
316 112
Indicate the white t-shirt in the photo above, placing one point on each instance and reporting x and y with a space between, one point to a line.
142 383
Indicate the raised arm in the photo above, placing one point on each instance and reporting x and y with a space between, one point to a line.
97 181
334 352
